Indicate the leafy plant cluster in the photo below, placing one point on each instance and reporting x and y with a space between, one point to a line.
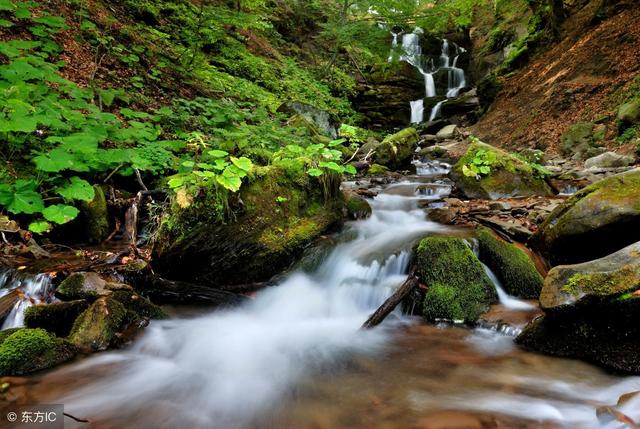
480 164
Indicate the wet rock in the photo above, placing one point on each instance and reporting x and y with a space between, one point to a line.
594 222
591 312
56 318
500 206
462 105
512 266
508 176
510 227
444 215
458 287
357 207
609 160
277 214
97 327
579 142
83 285
432 127
326 123
396 150
139 305
27 350
448 132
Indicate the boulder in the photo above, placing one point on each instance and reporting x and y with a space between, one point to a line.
629 113
396 150
448 132
458 287
506 175
609 160
97 327
326 122
356 207
82 285
139 305
594 222
591 312
27 350
377 170
578 141
276 215
512 265
56 318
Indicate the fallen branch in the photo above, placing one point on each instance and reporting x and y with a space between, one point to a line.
165 291
391 303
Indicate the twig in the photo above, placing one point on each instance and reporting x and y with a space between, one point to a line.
76 419
139 179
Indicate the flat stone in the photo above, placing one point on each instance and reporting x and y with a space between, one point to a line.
448 132
609 160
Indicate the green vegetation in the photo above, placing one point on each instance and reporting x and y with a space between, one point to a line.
512 265
28 350
458 287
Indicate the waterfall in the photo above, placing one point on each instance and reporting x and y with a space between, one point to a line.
19 291
412 54
505 299
417 111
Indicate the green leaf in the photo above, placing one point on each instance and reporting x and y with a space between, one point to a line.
484 169
242 163
231 183
332 166
350 169
39 227
60 213
338 142
6 5
315 172
28 202
217 153
6 24
76 189
176 182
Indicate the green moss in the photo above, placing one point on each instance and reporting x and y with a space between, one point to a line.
95 217
513 266
139 305
56 318
603 283
396 150
96 328
28 350
357 207
377 170
462 287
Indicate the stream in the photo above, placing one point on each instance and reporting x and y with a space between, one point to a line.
295 358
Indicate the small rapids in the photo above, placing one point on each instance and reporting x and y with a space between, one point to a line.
18 291
294 357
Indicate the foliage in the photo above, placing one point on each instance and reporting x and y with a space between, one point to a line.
480 164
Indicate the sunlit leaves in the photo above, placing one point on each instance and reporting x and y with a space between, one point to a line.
21 197
60 213
76 189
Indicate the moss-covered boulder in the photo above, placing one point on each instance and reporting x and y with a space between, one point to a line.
357 207
458 287
278 213
97 327
94 218
594 222
505 175
82 285
629 113
592 311
29 350
141 306
377 170
56 318
512 265
579 141
325 122
396 150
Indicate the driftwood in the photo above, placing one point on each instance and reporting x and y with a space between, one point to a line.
391 303
164 291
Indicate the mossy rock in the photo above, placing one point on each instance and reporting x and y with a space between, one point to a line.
594 222
512 266
29 350
282 211
377 170
56 318
508 176
97 327
94 217
139 305
629 114
396 150
458 287
579 141
82 285
357 207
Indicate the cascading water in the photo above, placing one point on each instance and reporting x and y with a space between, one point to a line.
505 299
225 369
412 54
20 291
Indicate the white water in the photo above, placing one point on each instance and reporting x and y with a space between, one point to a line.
417 111
508 301
32 289
435 111
225 369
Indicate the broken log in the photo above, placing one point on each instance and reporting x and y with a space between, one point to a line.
163 291
7 302
391 303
